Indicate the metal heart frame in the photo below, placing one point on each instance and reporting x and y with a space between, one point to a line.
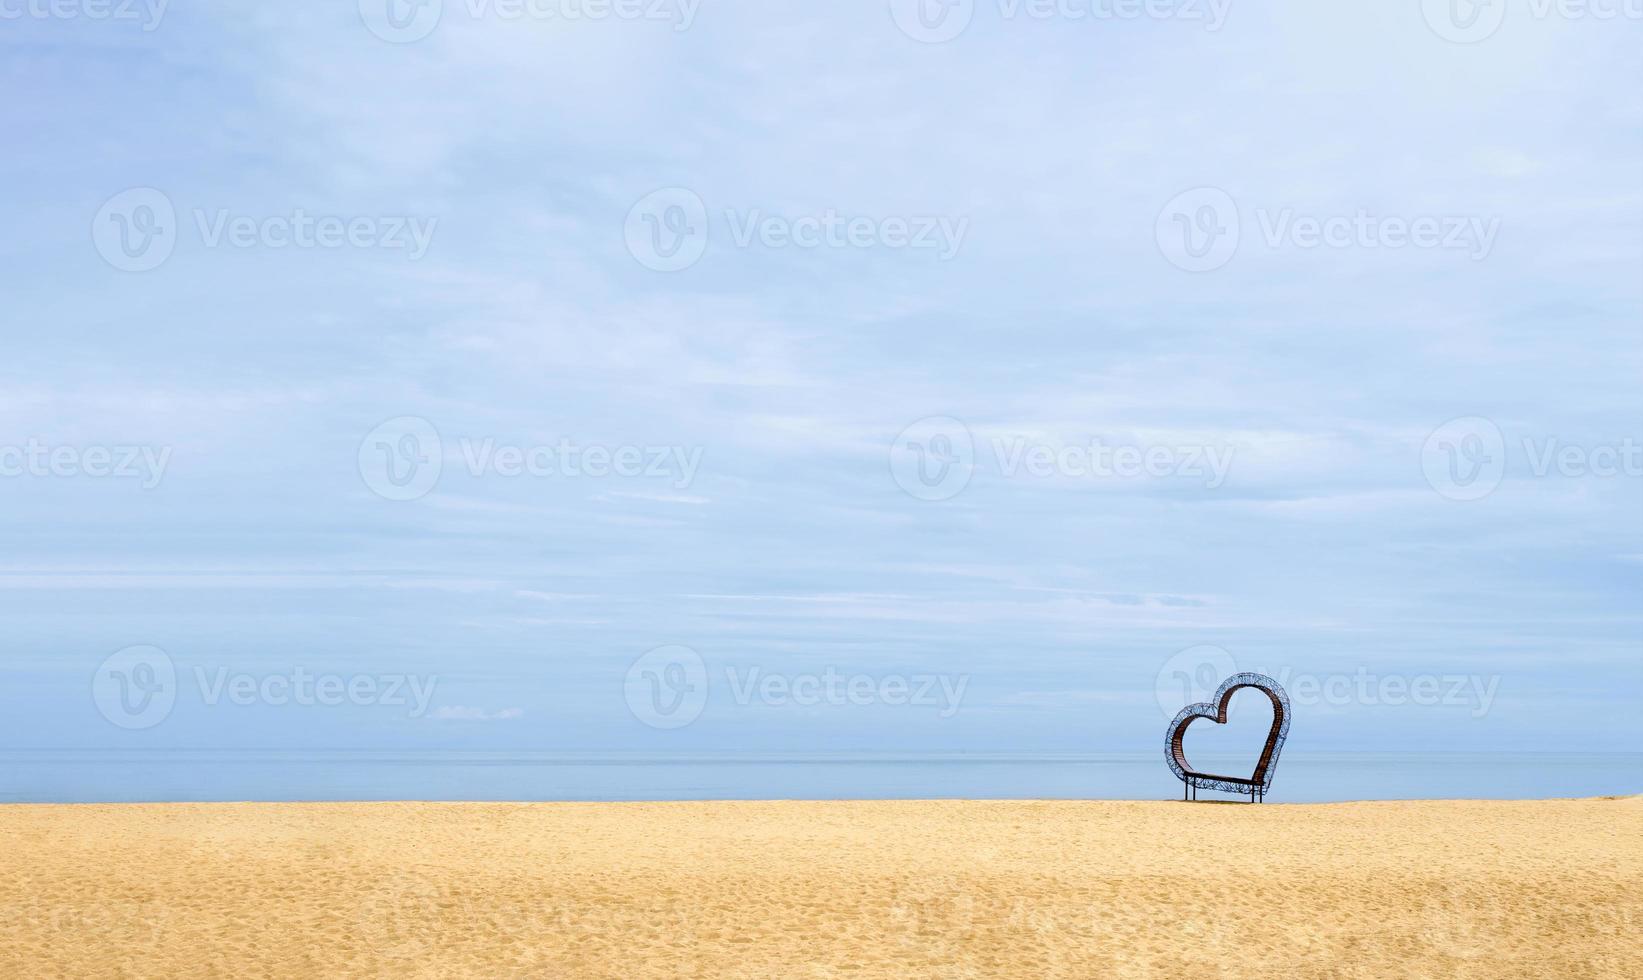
1260 781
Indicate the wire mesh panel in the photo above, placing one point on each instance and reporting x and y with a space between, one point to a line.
1258 781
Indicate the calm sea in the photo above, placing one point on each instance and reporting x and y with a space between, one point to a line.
188 775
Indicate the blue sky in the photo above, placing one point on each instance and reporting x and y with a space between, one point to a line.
877 231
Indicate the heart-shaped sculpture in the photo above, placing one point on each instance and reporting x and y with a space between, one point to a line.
1259 781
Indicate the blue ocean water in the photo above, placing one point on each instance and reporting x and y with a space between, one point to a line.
188 775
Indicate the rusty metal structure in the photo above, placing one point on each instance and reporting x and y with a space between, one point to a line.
1256 785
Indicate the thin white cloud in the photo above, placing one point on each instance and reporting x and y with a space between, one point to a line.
459 712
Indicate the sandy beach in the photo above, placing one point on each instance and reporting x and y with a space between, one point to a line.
831 889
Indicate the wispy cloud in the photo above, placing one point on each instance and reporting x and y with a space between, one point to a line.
1321 371
457 712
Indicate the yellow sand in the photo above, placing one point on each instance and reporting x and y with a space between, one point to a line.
804 890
